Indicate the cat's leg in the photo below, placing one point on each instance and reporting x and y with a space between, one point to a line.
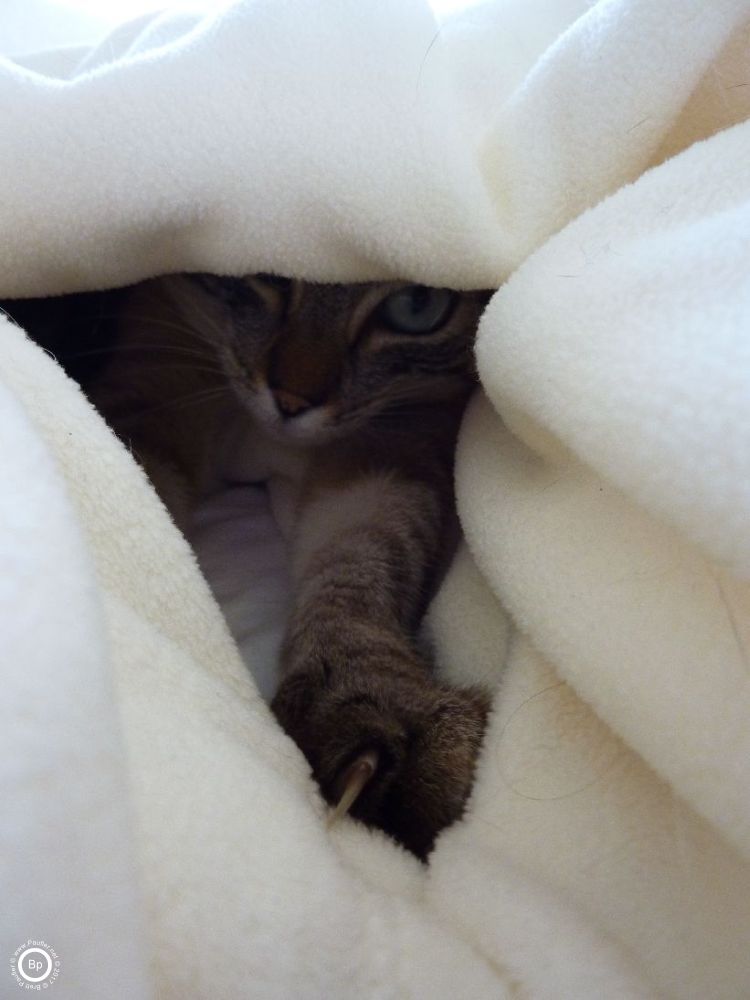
356 694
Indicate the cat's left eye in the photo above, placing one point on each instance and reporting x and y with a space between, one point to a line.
417 309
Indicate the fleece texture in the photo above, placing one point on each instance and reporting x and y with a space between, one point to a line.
589 161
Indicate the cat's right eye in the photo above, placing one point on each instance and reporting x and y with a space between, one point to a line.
417 309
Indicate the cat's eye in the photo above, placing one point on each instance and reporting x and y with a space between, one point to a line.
417 309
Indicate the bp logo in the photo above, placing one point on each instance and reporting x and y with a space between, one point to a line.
35 965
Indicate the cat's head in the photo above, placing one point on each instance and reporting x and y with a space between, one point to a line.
313 362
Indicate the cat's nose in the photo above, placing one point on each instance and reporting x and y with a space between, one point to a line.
289 404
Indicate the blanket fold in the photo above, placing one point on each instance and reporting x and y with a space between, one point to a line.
589 160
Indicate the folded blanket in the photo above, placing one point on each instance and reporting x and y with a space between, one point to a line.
590 160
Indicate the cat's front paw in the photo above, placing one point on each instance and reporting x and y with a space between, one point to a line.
411 743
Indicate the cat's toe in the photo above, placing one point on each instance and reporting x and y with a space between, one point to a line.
334 726
401 759
437 774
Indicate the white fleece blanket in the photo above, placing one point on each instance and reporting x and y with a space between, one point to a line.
158 831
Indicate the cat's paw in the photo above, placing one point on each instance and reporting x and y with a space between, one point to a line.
410 742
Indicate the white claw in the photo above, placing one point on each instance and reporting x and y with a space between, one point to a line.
356 777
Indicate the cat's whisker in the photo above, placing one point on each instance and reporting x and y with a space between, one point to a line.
400 403
190 305
186 366
121 348
355 779
183 328
373 412
201 396
146 320
154 321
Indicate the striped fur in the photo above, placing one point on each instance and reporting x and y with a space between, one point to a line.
368 382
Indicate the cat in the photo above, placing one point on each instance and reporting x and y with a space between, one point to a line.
353 394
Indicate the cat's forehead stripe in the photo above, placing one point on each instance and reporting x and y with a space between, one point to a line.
367 305
340 309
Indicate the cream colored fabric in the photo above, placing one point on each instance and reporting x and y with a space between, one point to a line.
596 157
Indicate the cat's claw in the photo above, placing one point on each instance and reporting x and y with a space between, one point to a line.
352 783
398 756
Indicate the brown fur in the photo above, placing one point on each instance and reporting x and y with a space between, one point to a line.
374 412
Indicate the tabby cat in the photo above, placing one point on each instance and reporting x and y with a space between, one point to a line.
351 395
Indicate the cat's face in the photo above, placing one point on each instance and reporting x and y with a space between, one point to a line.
315 362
